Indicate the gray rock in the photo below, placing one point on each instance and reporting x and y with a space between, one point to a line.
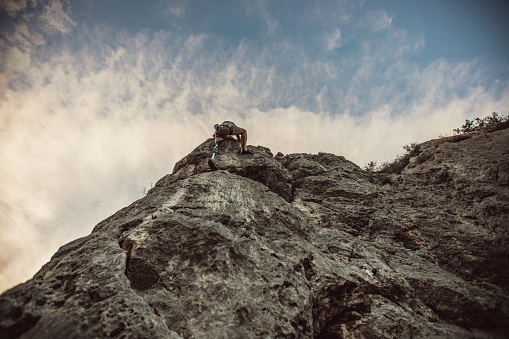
295 246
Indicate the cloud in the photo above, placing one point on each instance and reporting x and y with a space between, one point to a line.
260 8
333 40
379 20
25 41
51 15
174 9
12 7
55 18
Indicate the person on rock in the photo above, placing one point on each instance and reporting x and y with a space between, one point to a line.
229 128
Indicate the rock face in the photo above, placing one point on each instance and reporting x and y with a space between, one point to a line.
295 246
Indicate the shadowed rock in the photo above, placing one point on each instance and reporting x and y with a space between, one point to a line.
295 246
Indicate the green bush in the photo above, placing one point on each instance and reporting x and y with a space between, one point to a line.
491 122
398 164
370 166
401 161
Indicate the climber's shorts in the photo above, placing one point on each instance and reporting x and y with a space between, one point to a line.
231 129
235 130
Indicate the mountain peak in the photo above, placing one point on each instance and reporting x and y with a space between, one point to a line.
276 172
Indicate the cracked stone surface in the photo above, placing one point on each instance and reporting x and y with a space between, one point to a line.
290 246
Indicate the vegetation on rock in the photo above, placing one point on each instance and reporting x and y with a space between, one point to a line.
493 122
490 123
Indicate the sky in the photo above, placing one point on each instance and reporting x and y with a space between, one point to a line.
100 98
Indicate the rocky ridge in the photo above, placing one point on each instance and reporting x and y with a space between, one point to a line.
290 246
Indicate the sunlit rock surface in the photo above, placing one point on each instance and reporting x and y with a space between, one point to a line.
290 246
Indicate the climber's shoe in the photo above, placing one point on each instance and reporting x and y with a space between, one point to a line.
246 151
212 165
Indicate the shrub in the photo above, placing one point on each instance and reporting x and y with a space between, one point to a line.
370 166
398 164
401 161
491 122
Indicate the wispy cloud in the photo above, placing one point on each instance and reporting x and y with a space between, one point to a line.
333 40
13 7
379 20
260 8
174 9
55 18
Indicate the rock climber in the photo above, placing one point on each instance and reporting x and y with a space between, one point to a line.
229 128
